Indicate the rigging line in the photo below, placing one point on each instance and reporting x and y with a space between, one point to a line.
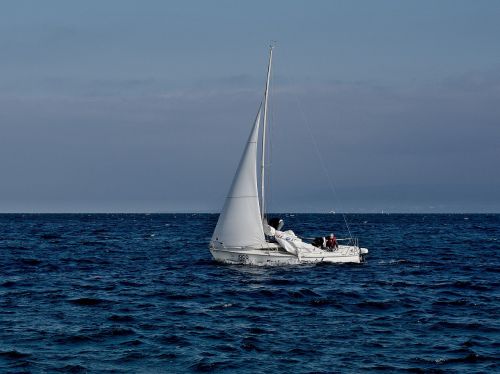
322 162
323 165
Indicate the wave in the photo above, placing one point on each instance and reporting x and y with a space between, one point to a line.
71 369
376 305
93 243
14 354
88 301
30 261
8 284
464 326
173 340
121 318
133 356
111 332
458 302
50 236
205 365
250 344
470 358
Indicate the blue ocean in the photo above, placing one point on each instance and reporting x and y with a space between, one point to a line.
140 293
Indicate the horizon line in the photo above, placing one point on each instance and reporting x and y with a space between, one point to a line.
188 212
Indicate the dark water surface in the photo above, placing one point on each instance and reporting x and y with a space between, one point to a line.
140 293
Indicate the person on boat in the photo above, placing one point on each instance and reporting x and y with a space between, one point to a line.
331 242
319 242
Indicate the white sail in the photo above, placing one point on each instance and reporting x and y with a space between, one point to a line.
239 222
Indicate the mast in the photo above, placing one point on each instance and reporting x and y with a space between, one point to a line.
264 128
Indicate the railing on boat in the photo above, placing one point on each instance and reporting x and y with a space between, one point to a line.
350 241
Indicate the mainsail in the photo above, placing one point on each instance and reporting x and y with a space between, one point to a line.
240 222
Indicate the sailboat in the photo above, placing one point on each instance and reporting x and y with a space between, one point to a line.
243 234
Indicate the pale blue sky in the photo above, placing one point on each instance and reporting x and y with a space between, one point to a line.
145 105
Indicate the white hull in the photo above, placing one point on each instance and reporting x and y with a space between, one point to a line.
278 256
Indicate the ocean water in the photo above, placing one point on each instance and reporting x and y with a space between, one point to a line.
140 293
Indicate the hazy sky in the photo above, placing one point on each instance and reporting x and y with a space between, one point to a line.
145 106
